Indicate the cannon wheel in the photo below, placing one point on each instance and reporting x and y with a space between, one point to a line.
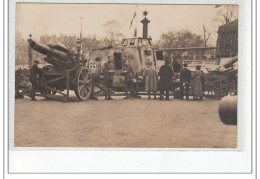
83 83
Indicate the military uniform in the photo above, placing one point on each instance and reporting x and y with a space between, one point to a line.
108 70
185 82
34 70
166 75
129 84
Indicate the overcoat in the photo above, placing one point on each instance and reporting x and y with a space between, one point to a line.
185 75
166 74
33 71
150 76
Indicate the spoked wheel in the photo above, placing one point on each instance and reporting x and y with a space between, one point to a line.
83 83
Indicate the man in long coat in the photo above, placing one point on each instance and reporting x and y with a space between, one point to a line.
185 81
33 72
166 74
108 70
177 65
150 76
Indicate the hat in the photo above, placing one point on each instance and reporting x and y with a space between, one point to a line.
167 60
148 63
185 64
198 67
36 61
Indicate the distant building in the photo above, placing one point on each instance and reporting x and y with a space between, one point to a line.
188 55
227 42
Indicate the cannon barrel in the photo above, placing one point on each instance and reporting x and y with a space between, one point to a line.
46 50
230 62
228 110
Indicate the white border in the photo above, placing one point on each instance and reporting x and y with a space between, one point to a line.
151 161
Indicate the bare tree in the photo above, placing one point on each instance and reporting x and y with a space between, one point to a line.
21 50
113 35
206 35
227 13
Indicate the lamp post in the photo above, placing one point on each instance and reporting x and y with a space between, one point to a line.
78 45
30 54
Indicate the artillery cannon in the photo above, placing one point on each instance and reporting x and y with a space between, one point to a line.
67 71
221 82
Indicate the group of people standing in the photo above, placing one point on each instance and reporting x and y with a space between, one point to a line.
195 80
165 76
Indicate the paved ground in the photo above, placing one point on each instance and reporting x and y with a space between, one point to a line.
121 123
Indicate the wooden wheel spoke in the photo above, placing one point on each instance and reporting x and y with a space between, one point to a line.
87 82
81 82
84 72
87 76
84 92
81 89
89 88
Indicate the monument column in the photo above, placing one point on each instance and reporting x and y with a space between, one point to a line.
145 22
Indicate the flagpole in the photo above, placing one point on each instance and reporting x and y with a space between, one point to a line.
133 20
81 51
135 31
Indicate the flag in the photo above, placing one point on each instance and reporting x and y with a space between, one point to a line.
132 20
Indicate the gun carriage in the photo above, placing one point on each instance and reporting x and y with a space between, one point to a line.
219 83
22 84
66 71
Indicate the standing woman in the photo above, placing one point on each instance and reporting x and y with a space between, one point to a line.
151 76
196 86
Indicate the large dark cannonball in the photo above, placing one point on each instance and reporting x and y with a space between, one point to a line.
228 110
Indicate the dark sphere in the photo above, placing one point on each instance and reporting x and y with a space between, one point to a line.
145 13
228 110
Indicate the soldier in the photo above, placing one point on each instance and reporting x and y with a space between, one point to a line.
166 75
185 81
176 64
33 72
108 70
129 84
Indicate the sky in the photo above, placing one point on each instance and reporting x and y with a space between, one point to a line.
40 18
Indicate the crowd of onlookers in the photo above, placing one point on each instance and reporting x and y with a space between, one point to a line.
190 82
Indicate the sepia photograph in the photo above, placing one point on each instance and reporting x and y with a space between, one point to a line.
126 75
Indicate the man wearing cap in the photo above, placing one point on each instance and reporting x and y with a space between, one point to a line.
129 84
185 81
108 70
33 72
166 75
176 64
